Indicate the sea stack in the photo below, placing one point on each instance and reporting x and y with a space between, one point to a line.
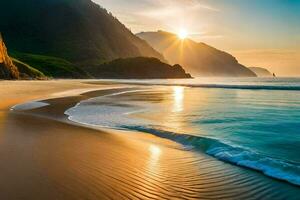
7 69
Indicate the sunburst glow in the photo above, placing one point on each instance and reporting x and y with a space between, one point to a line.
182 34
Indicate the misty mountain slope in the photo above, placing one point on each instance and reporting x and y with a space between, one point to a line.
79 31
198 59
261 72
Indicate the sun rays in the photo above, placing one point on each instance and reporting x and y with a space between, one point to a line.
182 34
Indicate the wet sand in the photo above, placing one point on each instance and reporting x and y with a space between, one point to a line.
45 156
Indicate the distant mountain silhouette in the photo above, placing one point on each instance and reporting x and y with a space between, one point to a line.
261 72
198 59
138 68
7 69
78 31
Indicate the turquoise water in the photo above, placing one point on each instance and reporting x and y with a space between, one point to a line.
253 123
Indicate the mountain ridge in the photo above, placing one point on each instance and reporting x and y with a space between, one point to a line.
79 31
198 58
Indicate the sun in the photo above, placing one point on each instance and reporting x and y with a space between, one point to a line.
182 34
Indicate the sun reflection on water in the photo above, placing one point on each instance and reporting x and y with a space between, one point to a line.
153 166
154 152
178 95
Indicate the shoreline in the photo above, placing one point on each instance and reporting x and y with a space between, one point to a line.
262 167
51 159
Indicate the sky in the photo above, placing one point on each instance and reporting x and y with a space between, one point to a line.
261 33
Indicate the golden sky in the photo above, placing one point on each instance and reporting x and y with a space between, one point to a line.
262 33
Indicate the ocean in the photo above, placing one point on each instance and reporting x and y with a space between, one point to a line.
249 122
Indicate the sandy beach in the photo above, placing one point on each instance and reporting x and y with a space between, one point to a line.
43 155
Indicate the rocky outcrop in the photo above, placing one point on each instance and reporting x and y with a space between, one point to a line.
7 69
138 68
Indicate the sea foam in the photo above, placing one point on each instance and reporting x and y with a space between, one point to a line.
29 105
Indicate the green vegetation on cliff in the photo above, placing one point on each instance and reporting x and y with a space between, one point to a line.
51 66
28 72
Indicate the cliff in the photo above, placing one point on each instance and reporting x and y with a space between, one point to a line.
199 59
7 69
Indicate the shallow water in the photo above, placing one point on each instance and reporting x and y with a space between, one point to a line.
252 123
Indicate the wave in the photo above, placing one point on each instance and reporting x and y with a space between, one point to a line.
248 87
228 86
271 84
271 167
